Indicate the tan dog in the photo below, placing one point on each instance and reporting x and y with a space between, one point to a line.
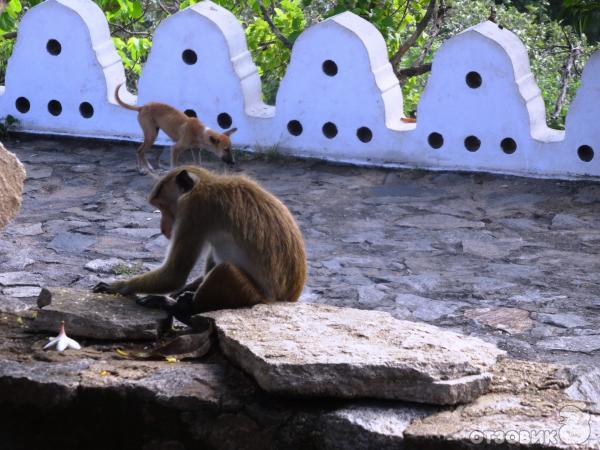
187 132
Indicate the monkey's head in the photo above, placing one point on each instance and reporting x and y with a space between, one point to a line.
221 145
166 193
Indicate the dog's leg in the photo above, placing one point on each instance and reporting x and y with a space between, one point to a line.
150 134
160 152
176 150
197 157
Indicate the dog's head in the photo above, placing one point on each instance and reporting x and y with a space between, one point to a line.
220 145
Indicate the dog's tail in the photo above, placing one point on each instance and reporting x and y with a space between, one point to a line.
122 103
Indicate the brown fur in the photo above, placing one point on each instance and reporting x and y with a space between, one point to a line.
261 227
186 132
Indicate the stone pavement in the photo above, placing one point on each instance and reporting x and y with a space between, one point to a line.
512 260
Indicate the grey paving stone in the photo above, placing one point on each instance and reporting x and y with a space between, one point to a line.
9 279
584 344
71 242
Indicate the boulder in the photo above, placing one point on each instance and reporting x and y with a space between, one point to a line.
12 175
99 316
319 350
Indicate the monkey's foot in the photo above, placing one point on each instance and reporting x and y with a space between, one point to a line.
156 302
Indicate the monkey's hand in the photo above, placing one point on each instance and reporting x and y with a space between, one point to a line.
111 288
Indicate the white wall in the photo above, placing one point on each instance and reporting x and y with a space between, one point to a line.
338 73
84 69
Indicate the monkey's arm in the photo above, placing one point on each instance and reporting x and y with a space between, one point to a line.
171 276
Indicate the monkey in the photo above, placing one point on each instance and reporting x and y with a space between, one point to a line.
254 248
186 132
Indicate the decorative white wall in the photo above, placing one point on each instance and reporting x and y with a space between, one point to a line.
63 72
200 63
339 99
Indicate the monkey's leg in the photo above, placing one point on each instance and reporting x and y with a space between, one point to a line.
192 287
224 287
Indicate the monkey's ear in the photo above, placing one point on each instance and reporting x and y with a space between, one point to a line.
230 132
214 140
184 181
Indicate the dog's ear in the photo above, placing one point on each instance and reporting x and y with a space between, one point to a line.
230 132
213 140
184 181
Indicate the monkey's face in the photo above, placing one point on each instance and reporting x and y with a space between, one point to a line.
164 197
221 145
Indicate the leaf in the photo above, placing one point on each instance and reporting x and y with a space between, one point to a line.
122 353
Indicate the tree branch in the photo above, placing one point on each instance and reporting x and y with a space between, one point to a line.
413 37
272 26
567 73
414 71
438 22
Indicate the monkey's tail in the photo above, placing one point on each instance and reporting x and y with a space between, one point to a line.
122 103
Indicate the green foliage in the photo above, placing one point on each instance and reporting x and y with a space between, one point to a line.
7 124
133 52
584 16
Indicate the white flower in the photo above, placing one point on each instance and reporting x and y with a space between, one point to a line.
62 341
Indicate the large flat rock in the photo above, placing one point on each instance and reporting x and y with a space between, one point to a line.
319 350
99 316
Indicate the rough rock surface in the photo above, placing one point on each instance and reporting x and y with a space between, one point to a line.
12 175
425 246
526 408
211 404
99 316
370 425
320 350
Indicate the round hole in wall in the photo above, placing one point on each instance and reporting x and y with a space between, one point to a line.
508 145
224 120
472 143
22 104
190 113
473 80
435 140
330 68
86 110
54 107
330 130
53 47
294 127
364 134
585 153
189 57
